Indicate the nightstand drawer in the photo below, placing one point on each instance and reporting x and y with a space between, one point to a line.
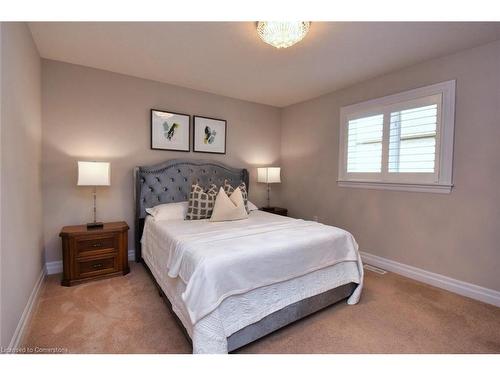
96 245
86 268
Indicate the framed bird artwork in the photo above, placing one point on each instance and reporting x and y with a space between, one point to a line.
170 131
209 135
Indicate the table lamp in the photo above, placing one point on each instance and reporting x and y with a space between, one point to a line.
93 173
268 175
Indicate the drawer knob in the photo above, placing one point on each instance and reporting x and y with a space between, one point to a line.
97 245
97 265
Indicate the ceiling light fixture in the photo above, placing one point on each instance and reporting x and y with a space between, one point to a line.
282 34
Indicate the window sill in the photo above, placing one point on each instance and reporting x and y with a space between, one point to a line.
423 188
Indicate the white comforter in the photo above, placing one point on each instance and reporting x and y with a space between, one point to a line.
218 260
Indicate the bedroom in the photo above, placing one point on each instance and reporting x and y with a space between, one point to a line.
354 179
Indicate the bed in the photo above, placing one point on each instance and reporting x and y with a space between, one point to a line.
231 283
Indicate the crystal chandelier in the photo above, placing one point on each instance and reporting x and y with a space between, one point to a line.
282 34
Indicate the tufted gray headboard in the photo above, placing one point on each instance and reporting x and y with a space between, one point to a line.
171 181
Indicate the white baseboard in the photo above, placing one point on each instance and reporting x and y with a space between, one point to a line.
28 311
131 255
54 267
57 266
456 286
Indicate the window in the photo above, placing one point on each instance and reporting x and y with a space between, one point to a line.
399 142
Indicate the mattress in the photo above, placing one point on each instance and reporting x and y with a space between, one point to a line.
209 333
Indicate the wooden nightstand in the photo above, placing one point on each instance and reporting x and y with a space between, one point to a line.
275 210
91 254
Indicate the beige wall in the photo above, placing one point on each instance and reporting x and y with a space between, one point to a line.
21 198
457 235
91 114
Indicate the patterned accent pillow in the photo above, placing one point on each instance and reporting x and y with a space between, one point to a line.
228 188
201 202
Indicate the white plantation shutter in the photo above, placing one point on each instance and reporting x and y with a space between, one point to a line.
412 142
364 144
403 140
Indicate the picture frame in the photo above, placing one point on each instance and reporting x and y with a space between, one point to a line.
170 131
209 135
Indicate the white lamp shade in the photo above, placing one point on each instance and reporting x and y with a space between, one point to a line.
269 175
93 173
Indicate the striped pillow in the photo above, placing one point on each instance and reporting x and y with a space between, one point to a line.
201 202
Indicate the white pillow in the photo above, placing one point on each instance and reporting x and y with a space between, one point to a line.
229 208
251 206
169 211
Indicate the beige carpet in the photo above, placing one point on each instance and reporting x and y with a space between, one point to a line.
395 315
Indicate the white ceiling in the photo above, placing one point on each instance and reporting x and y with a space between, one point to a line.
228 58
